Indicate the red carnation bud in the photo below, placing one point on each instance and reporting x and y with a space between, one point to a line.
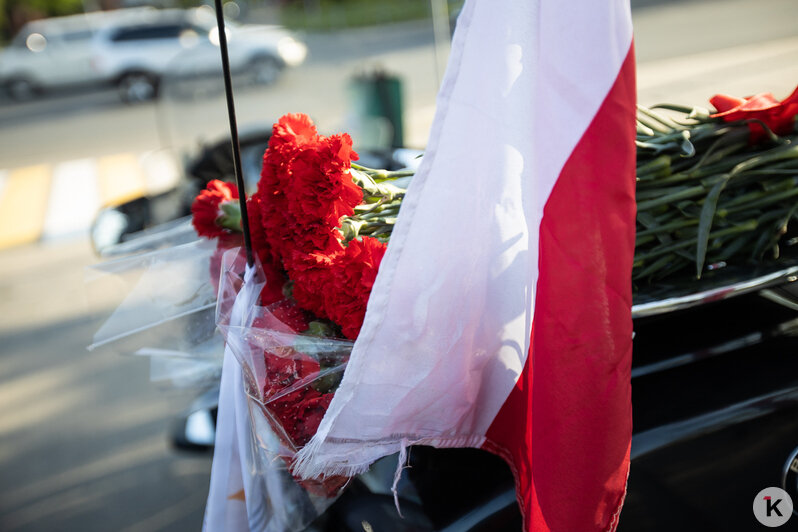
214 210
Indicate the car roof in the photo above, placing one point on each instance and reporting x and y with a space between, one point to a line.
98 20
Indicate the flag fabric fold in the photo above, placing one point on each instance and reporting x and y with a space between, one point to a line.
501 314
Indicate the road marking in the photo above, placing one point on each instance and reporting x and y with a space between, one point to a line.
3 179
654 74
74 199
23 205
62 200
121 179
160 169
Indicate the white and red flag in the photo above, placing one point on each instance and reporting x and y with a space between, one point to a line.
501 315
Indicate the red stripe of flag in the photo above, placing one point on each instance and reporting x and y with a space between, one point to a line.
566 427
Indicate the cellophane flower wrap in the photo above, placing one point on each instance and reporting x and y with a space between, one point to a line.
319 228
288 377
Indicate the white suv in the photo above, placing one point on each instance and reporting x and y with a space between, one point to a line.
133 48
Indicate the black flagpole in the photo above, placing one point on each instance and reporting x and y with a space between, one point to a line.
231 113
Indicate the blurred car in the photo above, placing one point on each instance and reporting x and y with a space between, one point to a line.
132 48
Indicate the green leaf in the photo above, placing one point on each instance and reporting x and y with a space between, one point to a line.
705 224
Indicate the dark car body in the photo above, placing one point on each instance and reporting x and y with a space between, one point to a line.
715 401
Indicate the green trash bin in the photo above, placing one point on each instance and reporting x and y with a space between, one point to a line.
377 104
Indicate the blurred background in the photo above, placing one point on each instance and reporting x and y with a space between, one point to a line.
106 102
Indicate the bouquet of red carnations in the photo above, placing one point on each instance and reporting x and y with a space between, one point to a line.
319 225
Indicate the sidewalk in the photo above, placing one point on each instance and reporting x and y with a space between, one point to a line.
54 201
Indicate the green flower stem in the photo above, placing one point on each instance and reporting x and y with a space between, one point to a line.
379 213
652 268
749 225
769 199
657 167
722 148
231 217
641 241
671 198
667 228
701 185
778 154
741 200
383 175
373 191
652 193
650 122
675 136
695 113
773 171
779 185
672 179
351 228
644 130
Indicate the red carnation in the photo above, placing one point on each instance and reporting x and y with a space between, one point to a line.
305 188
207 208
321 190
346 297
272 267
294 129
311 274
778 116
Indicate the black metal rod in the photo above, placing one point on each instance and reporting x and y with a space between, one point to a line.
231 113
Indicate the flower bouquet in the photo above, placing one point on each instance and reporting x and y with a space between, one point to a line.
319 226
712 189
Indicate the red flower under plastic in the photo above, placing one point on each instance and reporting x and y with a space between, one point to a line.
206 208
291 315
299 410
224 243
778 116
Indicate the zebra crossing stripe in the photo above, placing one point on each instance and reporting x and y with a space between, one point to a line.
120 178
161 172
74 199
56 201
3 179
23 205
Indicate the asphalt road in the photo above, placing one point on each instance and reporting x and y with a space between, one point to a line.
84 434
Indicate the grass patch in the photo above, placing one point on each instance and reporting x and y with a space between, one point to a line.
327 15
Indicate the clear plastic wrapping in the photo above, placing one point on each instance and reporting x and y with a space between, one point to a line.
166 312
170 313
289 378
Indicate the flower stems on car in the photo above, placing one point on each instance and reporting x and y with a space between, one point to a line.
713 189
